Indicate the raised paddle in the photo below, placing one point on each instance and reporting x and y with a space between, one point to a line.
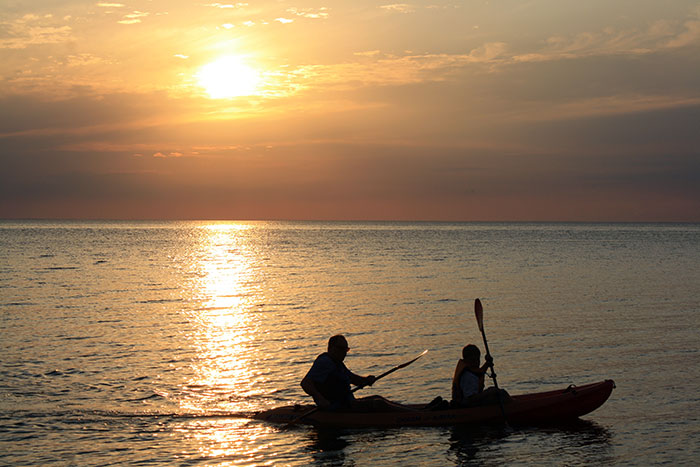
479 312
398 367
386 373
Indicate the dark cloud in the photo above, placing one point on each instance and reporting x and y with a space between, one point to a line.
668 73
340 179
21 113
660 132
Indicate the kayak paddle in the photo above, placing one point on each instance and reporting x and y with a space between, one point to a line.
398 367
479 312
386 373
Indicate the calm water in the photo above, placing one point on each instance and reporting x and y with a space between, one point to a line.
142 343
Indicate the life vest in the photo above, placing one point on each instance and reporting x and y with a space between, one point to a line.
457 393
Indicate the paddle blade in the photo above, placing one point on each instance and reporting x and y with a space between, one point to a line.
479 312
404 365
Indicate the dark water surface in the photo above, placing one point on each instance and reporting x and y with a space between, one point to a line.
143 343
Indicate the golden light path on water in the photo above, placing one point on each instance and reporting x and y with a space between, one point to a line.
228 287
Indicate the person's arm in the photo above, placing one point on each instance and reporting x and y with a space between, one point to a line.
488 363
362 381
309 387
482 372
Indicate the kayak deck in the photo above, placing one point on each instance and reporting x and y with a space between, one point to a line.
542 407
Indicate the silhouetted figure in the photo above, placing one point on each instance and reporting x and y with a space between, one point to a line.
328 382
468 380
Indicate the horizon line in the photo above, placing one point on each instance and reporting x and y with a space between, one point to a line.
406 221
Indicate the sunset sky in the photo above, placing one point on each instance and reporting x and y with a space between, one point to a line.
327 109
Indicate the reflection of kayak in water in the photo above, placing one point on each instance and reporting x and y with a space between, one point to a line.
541 407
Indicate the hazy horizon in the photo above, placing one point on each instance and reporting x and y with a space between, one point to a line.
336 221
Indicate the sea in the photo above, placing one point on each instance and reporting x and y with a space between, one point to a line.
152 343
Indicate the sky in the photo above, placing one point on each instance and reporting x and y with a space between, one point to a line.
473 110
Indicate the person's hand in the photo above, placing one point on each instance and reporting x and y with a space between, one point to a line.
369 380
489 360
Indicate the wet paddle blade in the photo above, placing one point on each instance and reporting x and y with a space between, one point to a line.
403 365
398 367
479 312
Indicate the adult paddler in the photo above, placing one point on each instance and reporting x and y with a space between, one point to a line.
328 382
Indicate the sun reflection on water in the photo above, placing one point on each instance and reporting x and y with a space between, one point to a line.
226 289
228 442
229 373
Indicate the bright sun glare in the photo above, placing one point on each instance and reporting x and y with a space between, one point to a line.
228 77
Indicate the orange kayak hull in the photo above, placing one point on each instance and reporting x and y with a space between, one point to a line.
525 409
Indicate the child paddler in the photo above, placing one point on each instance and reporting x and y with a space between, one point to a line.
468 380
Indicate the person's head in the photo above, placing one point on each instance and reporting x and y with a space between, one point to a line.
471 355
338 347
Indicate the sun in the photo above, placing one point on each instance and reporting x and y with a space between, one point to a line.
228 77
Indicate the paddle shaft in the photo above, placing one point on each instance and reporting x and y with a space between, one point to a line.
479 312
386 373
488 356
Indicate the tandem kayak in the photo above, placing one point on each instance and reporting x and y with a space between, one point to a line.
525 409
